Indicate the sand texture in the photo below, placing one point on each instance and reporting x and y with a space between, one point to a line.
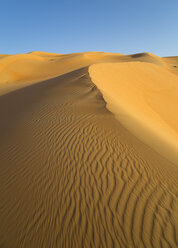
88 150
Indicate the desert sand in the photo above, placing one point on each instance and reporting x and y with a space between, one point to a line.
88 150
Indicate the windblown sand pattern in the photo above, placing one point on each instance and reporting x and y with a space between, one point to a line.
72 176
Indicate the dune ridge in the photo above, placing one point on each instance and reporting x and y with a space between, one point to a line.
71 175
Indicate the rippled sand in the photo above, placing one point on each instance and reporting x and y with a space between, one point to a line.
73 174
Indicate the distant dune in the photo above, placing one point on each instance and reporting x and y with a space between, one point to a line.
88 150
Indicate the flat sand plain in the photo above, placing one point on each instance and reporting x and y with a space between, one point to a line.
88 150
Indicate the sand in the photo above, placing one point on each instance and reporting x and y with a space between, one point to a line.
88 150
144 97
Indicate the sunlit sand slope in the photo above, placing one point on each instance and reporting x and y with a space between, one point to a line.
144 96
71 175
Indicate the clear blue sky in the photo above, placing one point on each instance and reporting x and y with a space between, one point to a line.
66 26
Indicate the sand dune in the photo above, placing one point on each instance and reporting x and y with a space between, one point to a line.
71 175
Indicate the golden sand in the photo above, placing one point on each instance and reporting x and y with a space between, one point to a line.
71 175
144 97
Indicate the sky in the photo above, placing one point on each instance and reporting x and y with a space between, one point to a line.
68 26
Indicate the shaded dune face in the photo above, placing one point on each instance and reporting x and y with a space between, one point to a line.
72 176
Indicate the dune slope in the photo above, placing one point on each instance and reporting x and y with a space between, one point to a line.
144 97
71 175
